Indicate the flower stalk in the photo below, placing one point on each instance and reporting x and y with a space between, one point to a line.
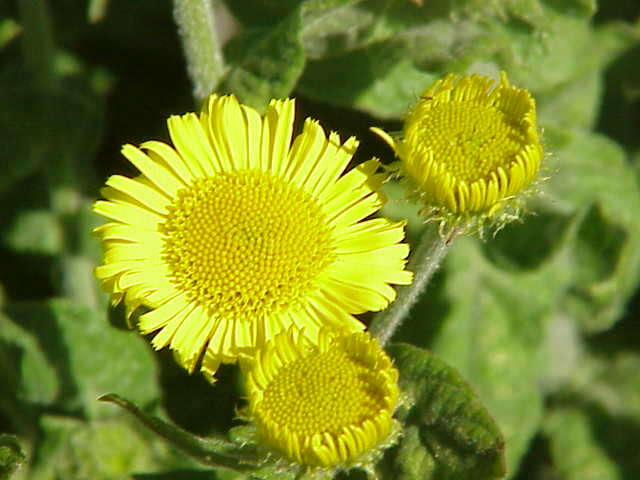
424 263
197 29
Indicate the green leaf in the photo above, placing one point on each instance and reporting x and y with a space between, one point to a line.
575 447
610 381
586 8
377 79
25 371
606 247
9 29
35 231
190 474
211 451
451 435
487 320
100 450
233 457
575 104
89 356
379 55
594 427
35 125
546 58
261 12
11 456
333 27
265 64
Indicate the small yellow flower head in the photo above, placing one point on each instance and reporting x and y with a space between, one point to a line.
468 150
326 405
238 231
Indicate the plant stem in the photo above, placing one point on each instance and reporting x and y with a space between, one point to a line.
197 29
424 263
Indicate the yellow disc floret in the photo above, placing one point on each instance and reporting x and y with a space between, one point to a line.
245 244
325 405
468 149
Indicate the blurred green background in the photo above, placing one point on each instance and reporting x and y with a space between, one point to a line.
541 320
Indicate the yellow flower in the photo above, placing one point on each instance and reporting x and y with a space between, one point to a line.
468 150
234 234
325 405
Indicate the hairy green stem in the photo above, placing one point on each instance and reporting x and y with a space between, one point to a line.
424 263
197 28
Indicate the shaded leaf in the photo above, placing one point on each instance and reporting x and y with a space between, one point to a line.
451 435
97 450
594 425
35 231
183 474
25 371
58 129
88 355
377 79
265 64
596 183
575 447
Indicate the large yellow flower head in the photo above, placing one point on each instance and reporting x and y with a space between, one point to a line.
235 234
468 149
326 405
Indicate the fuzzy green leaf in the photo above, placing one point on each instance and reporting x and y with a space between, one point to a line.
451 435
25 372
593 432
392 51
597 184
88 355
575 104
575 449
486 317
103 449
265 64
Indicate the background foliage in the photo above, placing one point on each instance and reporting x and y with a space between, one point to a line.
540 321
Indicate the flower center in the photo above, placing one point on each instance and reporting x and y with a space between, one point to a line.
469 140
245 243
324 393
